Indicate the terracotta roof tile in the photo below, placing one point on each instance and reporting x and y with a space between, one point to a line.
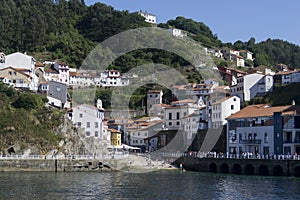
261 110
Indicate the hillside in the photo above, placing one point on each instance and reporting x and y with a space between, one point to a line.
69 30
25 120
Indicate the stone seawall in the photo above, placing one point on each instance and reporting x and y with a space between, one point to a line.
264 167
61 165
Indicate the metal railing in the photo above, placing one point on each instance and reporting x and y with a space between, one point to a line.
115 155
230 156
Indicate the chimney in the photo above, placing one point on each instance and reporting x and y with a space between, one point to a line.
99 104
293 102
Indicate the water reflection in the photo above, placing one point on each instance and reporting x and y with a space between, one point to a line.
155 185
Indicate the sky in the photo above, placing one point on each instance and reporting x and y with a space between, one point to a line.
231 20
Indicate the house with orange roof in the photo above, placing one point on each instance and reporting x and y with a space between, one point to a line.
22 63
233 56
265 130
287 77
142 133
17 78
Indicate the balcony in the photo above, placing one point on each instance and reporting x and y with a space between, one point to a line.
251 141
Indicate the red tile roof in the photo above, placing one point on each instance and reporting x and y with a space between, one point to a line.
261 110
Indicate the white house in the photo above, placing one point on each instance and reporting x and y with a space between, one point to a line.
63 71
81 79
21 62
174 113
233 56
90 119
247 55
110 78
177 32
150 18
222 109
138 134
287 77
244 84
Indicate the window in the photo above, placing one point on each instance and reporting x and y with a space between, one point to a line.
266 138
170 123
96 134
80 115
177 123
138 133
79 124
232 107
170 115
177 115
88 124
96 124
88 133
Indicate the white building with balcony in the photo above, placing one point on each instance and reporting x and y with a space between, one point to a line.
262 129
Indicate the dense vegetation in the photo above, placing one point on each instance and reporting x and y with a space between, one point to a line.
25 120
272 52
69 30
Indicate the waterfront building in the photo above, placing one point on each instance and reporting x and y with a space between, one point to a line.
263 129
115 137
142 133
90 119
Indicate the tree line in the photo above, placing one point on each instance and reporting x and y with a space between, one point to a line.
69 30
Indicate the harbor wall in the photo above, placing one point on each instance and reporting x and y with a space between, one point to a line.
264 167
61 165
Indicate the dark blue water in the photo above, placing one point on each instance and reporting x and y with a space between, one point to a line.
154 185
